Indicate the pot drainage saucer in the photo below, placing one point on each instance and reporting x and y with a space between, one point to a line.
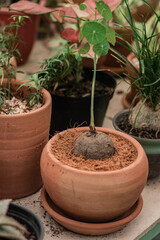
89 228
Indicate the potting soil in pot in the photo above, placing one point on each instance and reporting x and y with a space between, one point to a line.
17 106
142 133
63 150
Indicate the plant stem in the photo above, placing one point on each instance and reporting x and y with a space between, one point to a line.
92 125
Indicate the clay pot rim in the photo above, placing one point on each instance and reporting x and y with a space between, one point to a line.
135 143
46 100
138 138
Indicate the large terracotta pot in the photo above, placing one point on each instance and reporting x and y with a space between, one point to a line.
22 139
128 98
93 196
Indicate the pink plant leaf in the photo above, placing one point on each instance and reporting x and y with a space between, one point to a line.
58 15
67 11
30 8
70 34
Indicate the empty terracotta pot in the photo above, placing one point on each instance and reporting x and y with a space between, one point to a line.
22 139
93 196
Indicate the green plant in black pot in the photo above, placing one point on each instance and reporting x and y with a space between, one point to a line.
143 120
69 82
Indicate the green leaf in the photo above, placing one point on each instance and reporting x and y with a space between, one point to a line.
110 35
80 35
101 48
85 49
94 32
104 10
82 6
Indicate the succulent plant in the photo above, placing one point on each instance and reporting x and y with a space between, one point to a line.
9 227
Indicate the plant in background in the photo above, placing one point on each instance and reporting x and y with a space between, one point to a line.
64 67
121 11
9 227
9 40
146 79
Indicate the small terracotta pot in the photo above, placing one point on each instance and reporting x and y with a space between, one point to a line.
22 139
93 196
128 98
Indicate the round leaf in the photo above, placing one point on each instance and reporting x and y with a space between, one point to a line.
104 10
94 32
101 48
82 6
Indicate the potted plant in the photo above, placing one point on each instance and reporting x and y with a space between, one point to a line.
24 122
140 12
18 222
75 164
128 98
28 37
142 121
69 83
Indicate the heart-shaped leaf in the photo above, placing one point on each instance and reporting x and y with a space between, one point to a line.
94 32
104 10
101 48
70 34
30 8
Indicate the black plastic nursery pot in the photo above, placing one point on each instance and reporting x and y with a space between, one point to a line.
68 112
150 146
27 218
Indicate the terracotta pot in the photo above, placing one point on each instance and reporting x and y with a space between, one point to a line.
128 98
110 62
22 139
27 33
143 12
150 146
93 196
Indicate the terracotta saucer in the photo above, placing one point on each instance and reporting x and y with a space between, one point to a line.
89 228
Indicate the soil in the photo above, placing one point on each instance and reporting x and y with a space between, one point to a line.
142 133
125 153
82 90
17 106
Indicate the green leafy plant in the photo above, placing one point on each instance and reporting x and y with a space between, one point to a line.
9 227
97 38
65 66
146 49
9 41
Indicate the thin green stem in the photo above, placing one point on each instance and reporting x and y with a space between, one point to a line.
92 125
